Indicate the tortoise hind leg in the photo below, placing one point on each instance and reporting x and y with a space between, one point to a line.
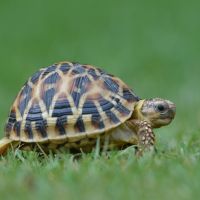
4 145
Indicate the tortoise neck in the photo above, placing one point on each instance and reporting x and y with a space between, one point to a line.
137 114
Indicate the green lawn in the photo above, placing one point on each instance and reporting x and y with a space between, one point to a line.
154 47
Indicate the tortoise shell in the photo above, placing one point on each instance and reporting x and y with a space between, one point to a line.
69 100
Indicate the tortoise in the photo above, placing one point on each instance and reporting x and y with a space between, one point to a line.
72 106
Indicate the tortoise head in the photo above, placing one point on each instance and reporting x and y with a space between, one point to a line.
158 112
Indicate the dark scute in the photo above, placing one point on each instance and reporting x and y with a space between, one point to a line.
81 83
76 97
12 117
113 118
47 97
8 128
78 69
78 82
85 82
17 128
34 117
22 106
26 89
60 125
35 108
62 108
129 96
105 104
97 121
79 125
36 76
102 72
41 127
89 108
49 70
122 109
111 75
65 67
28 129
92 72
111 85
53 78
26 92
35 113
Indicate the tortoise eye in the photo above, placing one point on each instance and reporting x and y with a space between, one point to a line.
160 107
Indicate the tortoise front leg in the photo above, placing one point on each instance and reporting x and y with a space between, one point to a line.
145 135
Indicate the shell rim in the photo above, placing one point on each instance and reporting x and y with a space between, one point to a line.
75 136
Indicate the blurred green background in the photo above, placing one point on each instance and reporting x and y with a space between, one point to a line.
154 46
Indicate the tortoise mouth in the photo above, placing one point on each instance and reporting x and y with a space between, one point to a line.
172 111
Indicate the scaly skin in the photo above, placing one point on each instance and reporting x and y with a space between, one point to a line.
145 135
149 114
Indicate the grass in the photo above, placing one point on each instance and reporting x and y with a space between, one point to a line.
171 174
154 47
